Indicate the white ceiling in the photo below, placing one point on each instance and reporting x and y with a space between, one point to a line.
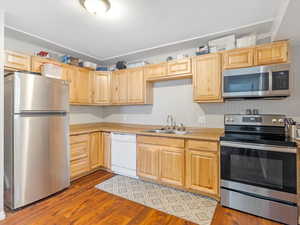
134 26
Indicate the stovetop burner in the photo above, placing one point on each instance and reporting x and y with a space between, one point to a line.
260 129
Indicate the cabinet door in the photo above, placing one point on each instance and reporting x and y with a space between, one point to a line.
106 140
148 161
119 87
136 85
70 74
171 165
96 150
238 58
155 71
202 171
101 88
79 145
83 86
17 61
179 67
207 78
276 52
37 63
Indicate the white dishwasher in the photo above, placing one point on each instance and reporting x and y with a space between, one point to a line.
123 154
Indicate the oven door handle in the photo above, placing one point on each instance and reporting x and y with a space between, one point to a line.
259 147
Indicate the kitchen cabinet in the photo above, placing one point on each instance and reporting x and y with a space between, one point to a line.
119 87
180 67
69 73
275 52
136 93
83 86
37 63
238 58
106 146
161 159
171 165
80 161
202 167
155 71
207 78
147 161
16 61
101 87
96 150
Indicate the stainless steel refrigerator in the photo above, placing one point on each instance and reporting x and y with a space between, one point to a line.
36 148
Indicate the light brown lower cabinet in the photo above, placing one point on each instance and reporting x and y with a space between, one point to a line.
80 157
171 165
191 165
202 167
106 145
89 152
148 161
161 159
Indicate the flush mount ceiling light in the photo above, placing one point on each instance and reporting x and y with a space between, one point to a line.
96 6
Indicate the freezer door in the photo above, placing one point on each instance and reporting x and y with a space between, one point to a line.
41 157
39 93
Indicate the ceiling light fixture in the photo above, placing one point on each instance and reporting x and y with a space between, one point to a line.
96 6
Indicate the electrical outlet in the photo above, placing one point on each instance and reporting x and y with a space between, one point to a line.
202 120
124 118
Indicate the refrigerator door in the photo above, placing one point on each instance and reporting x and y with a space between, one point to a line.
41 156
38 93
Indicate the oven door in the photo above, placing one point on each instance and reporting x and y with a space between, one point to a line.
256 165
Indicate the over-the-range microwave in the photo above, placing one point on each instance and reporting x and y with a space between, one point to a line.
257 82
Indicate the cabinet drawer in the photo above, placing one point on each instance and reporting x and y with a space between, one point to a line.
172 142
79 146
202 145
178 67
79 167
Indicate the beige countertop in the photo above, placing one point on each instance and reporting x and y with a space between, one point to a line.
210 134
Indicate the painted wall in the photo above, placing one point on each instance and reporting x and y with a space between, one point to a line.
2 215
175 97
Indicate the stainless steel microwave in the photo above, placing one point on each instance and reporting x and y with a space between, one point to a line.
257 82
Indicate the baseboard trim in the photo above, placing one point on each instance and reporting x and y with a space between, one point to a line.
2 215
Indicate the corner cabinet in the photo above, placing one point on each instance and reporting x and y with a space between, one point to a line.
96 150
136 94
207 78
119 87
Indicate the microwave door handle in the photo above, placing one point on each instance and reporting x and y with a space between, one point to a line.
259 147
270 80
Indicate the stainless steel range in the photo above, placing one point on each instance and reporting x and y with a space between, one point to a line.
259 168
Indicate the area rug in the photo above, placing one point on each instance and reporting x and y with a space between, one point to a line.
189 206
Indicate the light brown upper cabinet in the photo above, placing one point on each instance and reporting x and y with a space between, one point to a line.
96 150
136 86
17 61
70 75
101 87
202 167
83 86
180 67
207 78
37 63
238 58
155 71
119 87
276 52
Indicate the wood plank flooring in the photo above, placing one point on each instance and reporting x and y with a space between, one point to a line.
82 204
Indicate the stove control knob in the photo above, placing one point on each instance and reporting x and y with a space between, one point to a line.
281 120
274 120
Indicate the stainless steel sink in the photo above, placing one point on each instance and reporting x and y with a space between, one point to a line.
164 131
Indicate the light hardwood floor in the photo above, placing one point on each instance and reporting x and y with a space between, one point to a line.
82 204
